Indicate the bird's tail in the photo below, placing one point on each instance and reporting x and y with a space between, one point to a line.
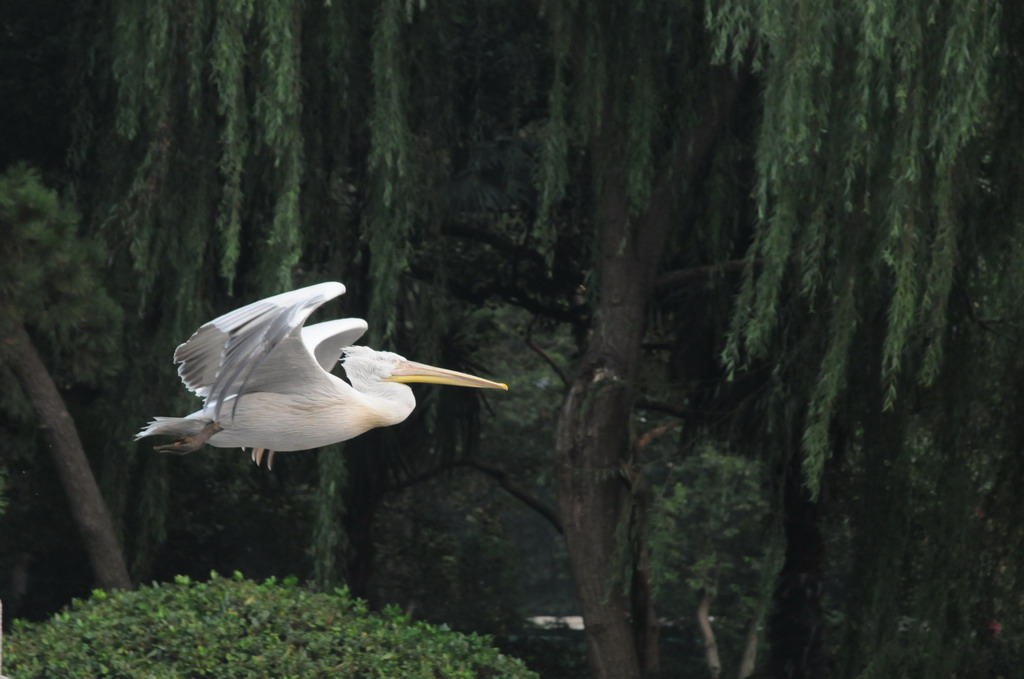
172 426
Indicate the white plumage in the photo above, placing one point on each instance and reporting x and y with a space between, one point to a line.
266 384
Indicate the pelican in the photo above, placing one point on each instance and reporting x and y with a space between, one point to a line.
266 384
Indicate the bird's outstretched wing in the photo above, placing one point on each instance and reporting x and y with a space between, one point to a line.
326 340
256 347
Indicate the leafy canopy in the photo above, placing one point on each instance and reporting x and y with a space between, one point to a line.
235 628
49 278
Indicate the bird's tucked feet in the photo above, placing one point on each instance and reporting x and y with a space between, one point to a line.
188 444
257 457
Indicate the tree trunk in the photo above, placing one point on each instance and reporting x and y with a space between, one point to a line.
707 632
749 658
646 629
593 446
593 496
593 441
87 505
796 627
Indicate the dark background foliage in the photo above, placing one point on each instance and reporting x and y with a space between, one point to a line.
752 273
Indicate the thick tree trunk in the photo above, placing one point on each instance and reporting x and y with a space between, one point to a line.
593 500
796 627
87 505
593 440
593 446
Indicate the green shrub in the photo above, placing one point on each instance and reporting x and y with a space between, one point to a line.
236 628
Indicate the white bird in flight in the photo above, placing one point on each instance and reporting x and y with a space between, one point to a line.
266 383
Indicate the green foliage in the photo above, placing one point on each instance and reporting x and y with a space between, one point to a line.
885 240
50 277
239 628
391 163
328 535
873 121
259 144
708 528
278 112
643 123
227 63
708 534
553 171
225 148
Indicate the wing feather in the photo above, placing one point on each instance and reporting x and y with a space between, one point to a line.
226 357
327 340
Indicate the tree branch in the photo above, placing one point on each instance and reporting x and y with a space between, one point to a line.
661 406
683 277
647 438
499 475
496 240
510 293
515 490
543 354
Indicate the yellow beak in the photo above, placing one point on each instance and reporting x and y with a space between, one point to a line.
410 371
